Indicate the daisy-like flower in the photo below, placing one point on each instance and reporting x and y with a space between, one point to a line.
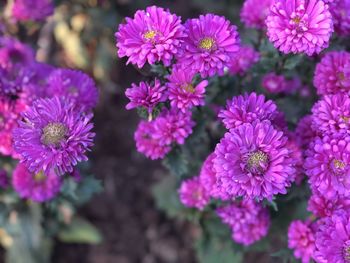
296 158
299 26
146 95
53 136
248 108
74 86
254 13
32 10
14 52
153 35
301 239
193 194
147 144
331 115
210 45
304 133
248 220
340 11
333 238
321 206
274 83
327 165
244 60
332 75
37 187
253 161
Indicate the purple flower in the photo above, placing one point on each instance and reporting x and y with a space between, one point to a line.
333 238
301 239
151 36
327 165
244 60
299 26
296 158
331 115
248 108
183 94
254 13
304 133
253 161
53 135
274 83
146 95
210 45
4 180
193 194
147 144
340 11
248 220
331 74
209 181
38 85
74 86
38 187
321 206
32 10
14 52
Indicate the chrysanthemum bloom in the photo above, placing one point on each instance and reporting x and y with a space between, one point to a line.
173 126
147 144
37 86
193 194
75 86
296 158
321 206
14 52
37 187
304 133
4 181
327 165
254 13
331 115
244 60
330 75
53 136
274 83
210 45
151 36
299 26
208 180
248 108
249 221
333 238
301 239
253 161
32 10
340 11
146 95
183 94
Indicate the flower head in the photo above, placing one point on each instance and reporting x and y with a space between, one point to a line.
53 136
210 45
153 35
299 26
38 187
32 10
340 11
193 194
254 13
14 52
243 60
303 132
274 83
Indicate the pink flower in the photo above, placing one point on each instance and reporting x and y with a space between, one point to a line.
304 133
244 60
274 83
340 11
193 194
254 13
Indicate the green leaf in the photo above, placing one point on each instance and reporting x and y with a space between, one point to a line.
176 162
292 62
80 231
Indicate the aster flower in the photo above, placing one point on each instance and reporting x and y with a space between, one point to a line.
248 108
274 83
146 95
301 239
210 45
147 144
14 52
32 10
248 220
340 11
53 136
74 86
332 238
193 194
182 93
331 115
253 161
321 206
254 13
296 158
327 166
38 85
299 26
331 74
38 187
303 132
152 36
244 60
208 179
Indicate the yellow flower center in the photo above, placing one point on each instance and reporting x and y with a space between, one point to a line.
344 118
39 177
207 43
341 76
296 20
188 88
338 164
53 133
150 34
